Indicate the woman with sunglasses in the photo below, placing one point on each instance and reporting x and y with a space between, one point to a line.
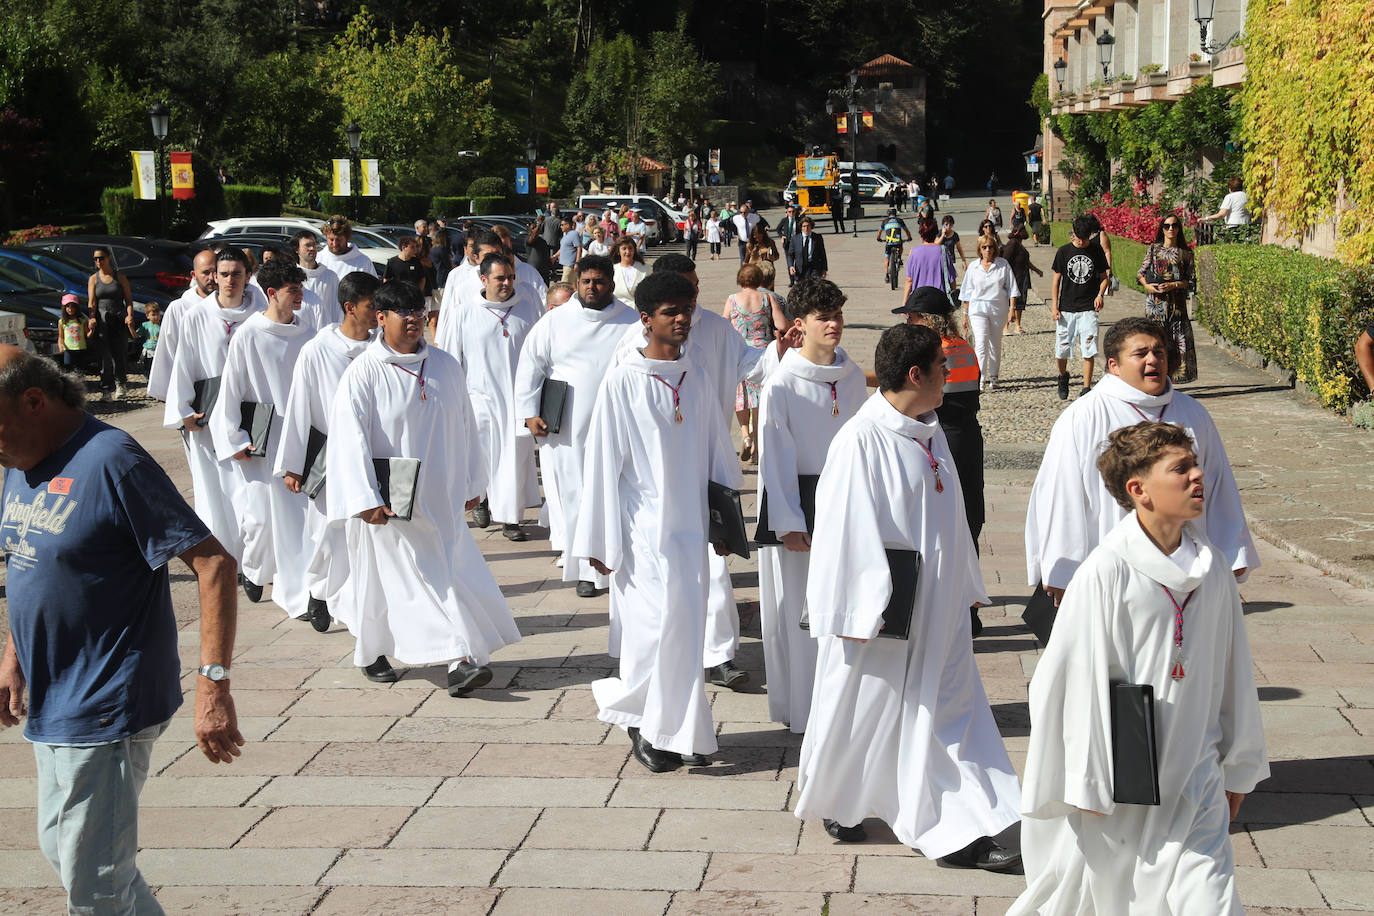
1168 277
111 306
989 292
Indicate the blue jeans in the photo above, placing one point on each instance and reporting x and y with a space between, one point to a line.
88 821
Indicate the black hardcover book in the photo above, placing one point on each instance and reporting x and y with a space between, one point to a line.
764 535
551 402
206 393
905 568
256 420
1135 753
313 473
1039 615
726 518
397 479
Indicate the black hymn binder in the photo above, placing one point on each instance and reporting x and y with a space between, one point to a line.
312 473
726 518
552 399
905 568
397 479
764 535
256 420
1135 753
205 394
1039 615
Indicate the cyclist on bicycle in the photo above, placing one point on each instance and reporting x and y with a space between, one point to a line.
891 233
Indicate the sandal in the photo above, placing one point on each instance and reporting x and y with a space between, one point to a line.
747 452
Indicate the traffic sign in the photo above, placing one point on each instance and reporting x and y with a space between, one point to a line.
690 161
522 181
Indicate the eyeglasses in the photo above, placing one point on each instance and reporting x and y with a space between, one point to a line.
100 257
410 313
1171 226
985 248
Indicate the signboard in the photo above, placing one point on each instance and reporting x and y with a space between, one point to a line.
371 178
522 181
183 179
145 175
541 180
690 161
343 178
815 168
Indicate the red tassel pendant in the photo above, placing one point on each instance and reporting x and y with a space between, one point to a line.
835 410
939 484
1176 670
505 333
679 413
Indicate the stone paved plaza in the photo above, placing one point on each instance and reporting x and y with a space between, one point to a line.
357 798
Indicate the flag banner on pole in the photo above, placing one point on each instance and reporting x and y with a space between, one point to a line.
183 179
343 178
372 179
868 120
541 180
713 160
841 124
145 174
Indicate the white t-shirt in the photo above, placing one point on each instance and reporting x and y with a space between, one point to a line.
1234 205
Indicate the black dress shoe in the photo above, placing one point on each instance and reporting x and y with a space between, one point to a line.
728 674
695 760
481 516
467 677
586 589
381 671
512 532
317 612
975 623
855 834
985 853
655 760
254 592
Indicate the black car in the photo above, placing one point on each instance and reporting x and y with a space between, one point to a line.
159 270
40 307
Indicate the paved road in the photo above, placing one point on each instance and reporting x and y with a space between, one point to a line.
354 798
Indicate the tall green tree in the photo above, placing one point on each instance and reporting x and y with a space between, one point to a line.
679 89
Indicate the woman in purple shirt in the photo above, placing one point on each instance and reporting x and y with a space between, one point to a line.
926 264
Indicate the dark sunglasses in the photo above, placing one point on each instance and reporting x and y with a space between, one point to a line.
410 313
1173 226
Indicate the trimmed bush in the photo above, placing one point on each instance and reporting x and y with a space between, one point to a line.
126 215
306 212
251 200
450 206
481 206
410 206
487 187
1296 310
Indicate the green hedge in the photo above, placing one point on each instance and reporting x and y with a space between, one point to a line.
251 200
481 206
410 206
126 215
487 187
450 206
1126 254
1297 310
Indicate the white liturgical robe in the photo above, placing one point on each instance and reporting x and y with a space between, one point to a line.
344 264
802 407
271 519
1070 508
576 345
644 515
1116 623
168 337
417 590
324 283
899 729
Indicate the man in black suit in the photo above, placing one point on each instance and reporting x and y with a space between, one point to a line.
789 226
806 252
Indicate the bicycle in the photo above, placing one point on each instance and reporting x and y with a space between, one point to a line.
894 265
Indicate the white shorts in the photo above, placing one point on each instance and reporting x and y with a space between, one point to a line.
1081 326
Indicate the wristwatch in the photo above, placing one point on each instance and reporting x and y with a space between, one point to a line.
214 672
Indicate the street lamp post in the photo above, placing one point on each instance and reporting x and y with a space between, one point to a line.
849 98
1061 66
1105 41
161 117
531 154
1202 15
355 142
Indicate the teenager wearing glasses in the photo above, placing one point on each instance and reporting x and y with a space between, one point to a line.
1167 276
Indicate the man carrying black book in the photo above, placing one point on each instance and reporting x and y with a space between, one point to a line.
932 764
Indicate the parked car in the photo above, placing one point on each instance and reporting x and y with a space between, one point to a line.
660 220
871 187
159 270
38 306
260 225
43 268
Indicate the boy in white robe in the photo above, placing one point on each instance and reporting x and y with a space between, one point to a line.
814 392
320 280
1155 603
258 369
206 331
201 288
1070 508
575 343
319 370
417 589
465 280
652 448
485 336
901 729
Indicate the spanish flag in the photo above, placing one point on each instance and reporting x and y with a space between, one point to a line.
183 179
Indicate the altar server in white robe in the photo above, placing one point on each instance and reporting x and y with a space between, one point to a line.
314 312
340 254
486 336
417 590
319 370
524 273
258 369
813 392
169 337
320 280
1070 508
1154 603
575 343
651 450
901 729
207 330
465 280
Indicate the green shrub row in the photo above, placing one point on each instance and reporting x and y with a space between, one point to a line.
127 215
251 200
1294 309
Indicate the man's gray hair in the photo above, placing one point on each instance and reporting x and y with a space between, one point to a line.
29 371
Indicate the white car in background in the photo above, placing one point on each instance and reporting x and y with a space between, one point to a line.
378 248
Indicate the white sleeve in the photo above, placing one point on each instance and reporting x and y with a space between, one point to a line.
229 439
536 361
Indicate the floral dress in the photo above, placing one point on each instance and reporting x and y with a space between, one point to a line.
1164 265
754 328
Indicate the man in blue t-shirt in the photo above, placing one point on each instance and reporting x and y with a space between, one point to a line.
90 523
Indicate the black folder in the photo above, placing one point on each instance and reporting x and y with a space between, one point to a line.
206 393
397 479
552 399
1135 753
312 473
764 535
256 420
1039 615
905 568
726 517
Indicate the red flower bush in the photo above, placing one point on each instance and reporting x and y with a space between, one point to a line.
1132 220
20 236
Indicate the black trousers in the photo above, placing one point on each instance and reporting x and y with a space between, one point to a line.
112 348
966 447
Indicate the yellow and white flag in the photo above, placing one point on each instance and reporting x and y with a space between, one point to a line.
372 181
343 178
145 174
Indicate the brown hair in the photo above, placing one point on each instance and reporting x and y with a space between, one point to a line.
1132 450
749 276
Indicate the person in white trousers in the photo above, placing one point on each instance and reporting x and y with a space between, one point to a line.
989 292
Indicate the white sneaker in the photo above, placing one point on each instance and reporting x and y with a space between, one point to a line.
119 391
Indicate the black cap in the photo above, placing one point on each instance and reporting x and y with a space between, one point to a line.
927 300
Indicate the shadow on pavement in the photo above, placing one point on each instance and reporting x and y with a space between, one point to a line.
1227 391
1259 607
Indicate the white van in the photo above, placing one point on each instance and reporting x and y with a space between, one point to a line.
661 221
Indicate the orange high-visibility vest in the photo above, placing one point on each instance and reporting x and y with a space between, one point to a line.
962 364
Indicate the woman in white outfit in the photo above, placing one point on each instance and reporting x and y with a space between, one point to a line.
988 292
629 270
713 237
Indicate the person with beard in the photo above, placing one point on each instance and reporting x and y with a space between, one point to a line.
340 254
201 288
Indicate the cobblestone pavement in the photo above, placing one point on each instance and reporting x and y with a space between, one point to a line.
354 798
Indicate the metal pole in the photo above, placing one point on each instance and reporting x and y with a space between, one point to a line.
854 168
161 189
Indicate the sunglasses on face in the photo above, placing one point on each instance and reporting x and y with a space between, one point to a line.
410 313
1171 225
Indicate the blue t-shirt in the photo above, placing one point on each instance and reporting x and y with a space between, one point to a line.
89 532
567 248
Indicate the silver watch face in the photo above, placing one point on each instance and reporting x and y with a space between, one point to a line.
214 672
